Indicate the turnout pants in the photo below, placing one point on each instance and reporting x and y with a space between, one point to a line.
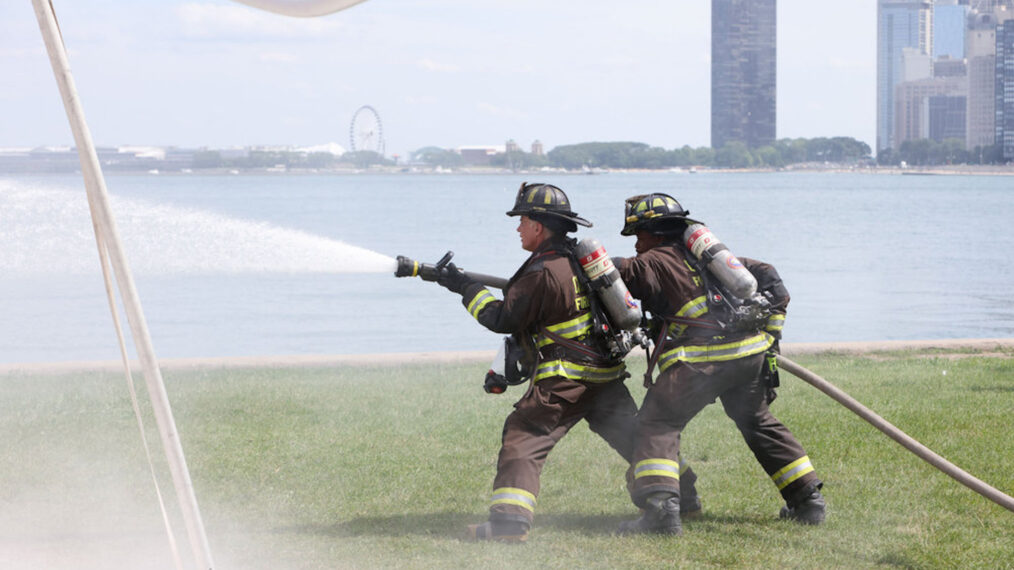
540 419
683 390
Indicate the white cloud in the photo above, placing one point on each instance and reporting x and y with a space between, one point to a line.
521 67
22 53
421 100
278 57
497 111
619 61
430 65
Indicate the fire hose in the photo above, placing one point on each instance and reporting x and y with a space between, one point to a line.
431 272
923 452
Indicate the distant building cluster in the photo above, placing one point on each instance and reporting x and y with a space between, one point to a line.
65 159
485 155
43 160
945 70
48 160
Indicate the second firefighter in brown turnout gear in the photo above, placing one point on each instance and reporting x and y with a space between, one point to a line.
699 360
546 307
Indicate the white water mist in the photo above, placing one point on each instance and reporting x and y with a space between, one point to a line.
47 231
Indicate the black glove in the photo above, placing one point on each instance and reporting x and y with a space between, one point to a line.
453 278
494 384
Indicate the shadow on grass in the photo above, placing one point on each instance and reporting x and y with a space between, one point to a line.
607 524
997 388
454 524
426 524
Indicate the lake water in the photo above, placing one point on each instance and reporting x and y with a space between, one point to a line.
251 265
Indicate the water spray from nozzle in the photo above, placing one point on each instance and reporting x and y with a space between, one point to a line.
160 239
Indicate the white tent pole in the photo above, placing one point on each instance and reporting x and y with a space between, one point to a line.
109 237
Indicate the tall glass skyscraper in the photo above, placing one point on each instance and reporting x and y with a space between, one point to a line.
900 24
1005 88
742 72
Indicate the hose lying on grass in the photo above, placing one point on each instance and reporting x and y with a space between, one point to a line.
924 453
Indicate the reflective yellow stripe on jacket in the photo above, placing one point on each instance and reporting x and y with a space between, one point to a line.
693 309
580 372
479 302
716 352
572 329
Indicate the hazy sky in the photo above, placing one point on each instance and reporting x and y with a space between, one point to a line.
440 72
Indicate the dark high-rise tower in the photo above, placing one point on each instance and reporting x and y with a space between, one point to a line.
742 72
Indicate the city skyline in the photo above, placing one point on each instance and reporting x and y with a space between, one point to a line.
217 73
943 75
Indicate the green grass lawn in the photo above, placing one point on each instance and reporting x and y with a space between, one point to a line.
383 467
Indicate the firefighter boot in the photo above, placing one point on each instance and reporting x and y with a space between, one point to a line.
690 505
500 531
807 506
690 501
661 515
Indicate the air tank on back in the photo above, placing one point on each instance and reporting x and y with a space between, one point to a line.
605 279
703 244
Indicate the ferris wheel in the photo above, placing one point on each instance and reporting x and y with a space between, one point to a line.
366 132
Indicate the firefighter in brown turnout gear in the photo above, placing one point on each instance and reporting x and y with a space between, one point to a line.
699 359
546 307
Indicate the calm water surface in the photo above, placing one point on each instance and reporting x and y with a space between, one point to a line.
239 265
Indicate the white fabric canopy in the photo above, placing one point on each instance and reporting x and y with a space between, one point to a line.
301 8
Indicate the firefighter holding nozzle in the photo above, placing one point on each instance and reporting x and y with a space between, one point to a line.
547 310
717 320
